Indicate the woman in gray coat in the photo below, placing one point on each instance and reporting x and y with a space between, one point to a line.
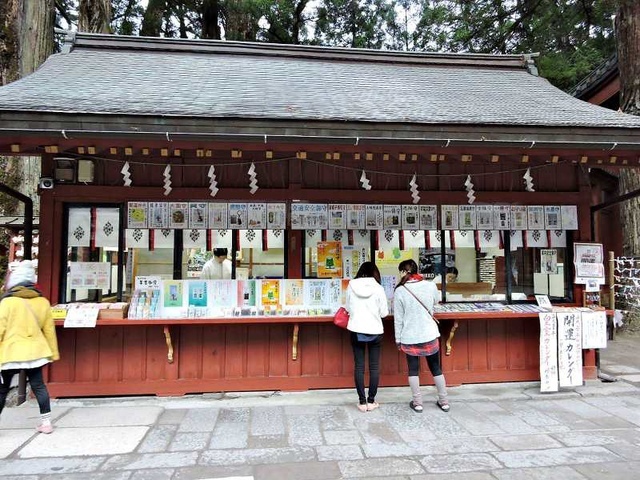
417 333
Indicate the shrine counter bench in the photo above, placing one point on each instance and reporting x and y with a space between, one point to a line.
180 356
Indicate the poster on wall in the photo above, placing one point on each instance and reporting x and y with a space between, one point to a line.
375 217
428 217
276 216
548 352
294 293
315 292
329 259
484 217
90 275
392 217
356 217
158 215
237 216
569 215
137 215
588 262
352 257
502 217
172 293
594 329
518 217
315 216
270 293
197 293
218 216
467 217
549 261
256 216
535 217
197 215
297 214
337 216
410 217
178 215
449 217
552 217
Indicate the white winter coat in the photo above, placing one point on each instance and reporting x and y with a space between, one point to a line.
367 306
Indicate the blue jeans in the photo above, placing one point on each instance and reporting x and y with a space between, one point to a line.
38 388
374 367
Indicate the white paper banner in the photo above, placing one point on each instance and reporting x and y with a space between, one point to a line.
464 239
361 238
548 352
79 227
414 239
569 348
594 329
163 238
537 239
275 238
488 239
388 239
558 239
516 240
251 239
338 236
107 227
221 239
137 238
194 239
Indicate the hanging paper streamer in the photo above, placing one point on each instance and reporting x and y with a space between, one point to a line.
213 185
470 192
414 189
528 181
126 176
253 176
167 180
365 181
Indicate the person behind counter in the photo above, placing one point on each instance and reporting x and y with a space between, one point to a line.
217 268
367 305
417 332
27 338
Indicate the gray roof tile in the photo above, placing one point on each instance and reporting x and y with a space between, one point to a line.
112 75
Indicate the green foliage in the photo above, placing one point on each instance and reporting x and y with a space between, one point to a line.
11 176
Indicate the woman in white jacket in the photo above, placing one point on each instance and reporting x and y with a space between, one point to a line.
367 306
417 333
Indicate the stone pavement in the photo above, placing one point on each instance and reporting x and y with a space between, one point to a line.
493 432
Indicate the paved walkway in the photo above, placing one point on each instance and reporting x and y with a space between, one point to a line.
497 432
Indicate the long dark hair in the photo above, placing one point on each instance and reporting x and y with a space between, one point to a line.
368 269
408 266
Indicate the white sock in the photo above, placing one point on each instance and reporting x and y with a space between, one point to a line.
45 418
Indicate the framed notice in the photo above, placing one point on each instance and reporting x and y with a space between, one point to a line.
569 214
356 217
329 260
484 217
158 215
256 216
276 216
374 217
467 217
137 215
552 217
588 262
337 216
315 216
392 217
410 217
237 216
197 215
518 217
178 215
502 217
428 217
218 216
449 217
535 217
569 348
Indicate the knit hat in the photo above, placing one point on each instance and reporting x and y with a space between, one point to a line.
23 272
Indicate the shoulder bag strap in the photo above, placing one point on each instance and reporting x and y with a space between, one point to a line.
420 302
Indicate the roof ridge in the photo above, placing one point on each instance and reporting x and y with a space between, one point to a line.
74 40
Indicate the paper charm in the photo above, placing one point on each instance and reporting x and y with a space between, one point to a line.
413 186
253 176
126 176
213 185
365 181
468 185
528 181
167 180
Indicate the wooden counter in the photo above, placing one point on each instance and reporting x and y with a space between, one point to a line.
180 356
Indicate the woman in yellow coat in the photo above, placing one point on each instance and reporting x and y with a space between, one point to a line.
27 338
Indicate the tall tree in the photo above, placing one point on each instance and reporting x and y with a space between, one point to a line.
287 22
94 16
153 18
628 39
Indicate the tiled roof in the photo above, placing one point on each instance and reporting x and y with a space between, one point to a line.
111 75
601 74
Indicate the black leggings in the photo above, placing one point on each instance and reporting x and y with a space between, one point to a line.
38 388
433 361
374 366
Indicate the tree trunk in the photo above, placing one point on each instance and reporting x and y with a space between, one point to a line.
94 16
628 41
9 66
152 19
210 19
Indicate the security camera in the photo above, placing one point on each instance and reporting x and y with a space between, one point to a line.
46 183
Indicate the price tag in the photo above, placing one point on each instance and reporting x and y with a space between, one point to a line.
84 317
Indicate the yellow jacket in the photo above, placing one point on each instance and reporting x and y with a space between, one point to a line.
21 338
